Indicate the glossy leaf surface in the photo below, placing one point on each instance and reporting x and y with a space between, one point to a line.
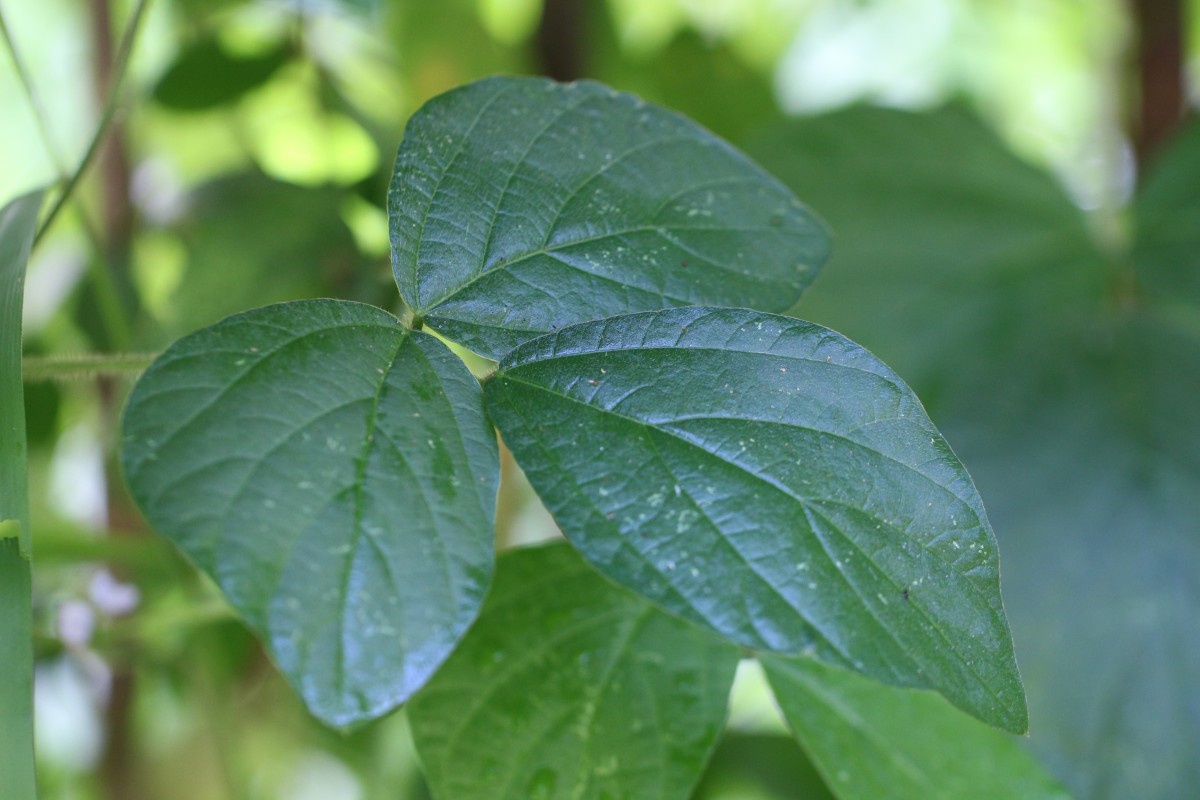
773 480
519 205
571 687
336 475
872 741
1067 381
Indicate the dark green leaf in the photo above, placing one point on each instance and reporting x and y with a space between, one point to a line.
872 741
336 475
1071 392
773 480
570 687
519 205
205 74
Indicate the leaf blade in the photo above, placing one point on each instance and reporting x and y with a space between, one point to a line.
336 475
630 701
770 479
601 204
18 225
870 740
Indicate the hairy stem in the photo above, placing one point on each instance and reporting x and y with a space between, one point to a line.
85 365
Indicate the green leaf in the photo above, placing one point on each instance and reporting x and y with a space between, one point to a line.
571 687
871 741
205 75
336 475
519 205
1068 388
18 223
1167 210
773 480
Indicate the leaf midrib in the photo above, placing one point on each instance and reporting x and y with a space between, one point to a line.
431 306
358 531
660 428
506 371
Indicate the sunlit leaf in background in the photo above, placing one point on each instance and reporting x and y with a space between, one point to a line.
772 480
1068 391
520 205
336 475
569 686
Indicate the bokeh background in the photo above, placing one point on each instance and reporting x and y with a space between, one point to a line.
1014 190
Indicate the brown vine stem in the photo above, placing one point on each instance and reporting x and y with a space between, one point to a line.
1162 98
560 45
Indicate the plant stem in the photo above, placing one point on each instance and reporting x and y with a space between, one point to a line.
1162 99
113 293
17 770
561 40
106 117
62 544
86 365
